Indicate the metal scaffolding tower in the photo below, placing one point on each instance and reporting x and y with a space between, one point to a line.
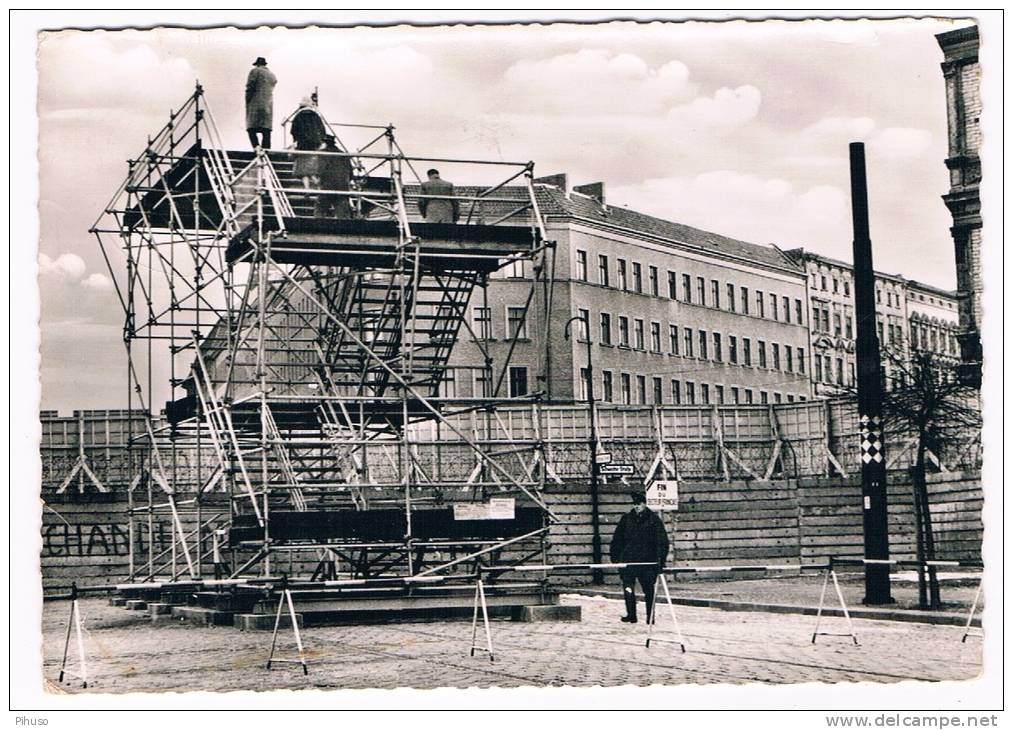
304 358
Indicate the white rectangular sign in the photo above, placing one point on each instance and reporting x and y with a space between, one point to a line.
497 508
616 470
501 508
663 496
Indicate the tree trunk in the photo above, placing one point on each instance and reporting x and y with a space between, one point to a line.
923 600
928 547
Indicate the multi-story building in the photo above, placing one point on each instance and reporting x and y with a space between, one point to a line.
675 315
910 317
962 75
933 321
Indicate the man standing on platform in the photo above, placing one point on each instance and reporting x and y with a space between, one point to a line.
308 133
640 537
335 171
260 103
438 210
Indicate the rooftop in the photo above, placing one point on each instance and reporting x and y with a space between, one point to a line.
802 255
582 207
555 203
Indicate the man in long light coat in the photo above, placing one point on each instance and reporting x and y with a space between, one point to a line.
440 209
260 103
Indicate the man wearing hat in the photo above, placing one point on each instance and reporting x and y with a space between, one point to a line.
640 537
260 103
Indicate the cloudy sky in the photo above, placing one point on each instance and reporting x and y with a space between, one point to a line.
739 128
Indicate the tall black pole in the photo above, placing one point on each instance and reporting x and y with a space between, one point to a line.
870 394
597 575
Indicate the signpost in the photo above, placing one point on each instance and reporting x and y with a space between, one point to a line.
870 395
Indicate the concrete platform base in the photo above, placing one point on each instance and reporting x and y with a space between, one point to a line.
161 619
135 604
202 616
117 601
263 622
156 609
547 613
173 598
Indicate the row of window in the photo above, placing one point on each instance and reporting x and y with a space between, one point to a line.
821 321
824 370
892 297
517 383
700 344
924 337
632 389
516 323
891 334
836 286
698 290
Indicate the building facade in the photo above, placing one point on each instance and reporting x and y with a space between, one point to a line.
962 75
933 322
910 317
675 315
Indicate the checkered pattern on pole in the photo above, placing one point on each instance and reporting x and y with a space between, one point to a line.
872 445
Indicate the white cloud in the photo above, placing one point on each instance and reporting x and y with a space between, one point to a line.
748 207
834 133
597 81
898 143
70 269
726 109
67 266
99 282
89 69
834 130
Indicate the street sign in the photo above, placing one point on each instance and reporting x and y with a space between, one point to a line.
603 457
617 469
663 495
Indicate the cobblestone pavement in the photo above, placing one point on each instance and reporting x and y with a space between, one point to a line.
127 654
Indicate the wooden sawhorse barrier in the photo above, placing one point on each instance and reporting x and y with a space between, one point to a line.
481 607
831 575
676 635
74 623
285 601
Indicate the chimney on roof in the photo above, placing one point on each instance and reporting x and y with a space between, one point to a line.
558 180
594 190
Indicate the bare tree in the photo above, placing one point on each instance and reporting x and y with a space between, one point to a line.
929 402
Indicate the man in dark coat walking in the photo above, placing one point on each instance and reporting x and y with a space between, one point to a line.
260 103
640 537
